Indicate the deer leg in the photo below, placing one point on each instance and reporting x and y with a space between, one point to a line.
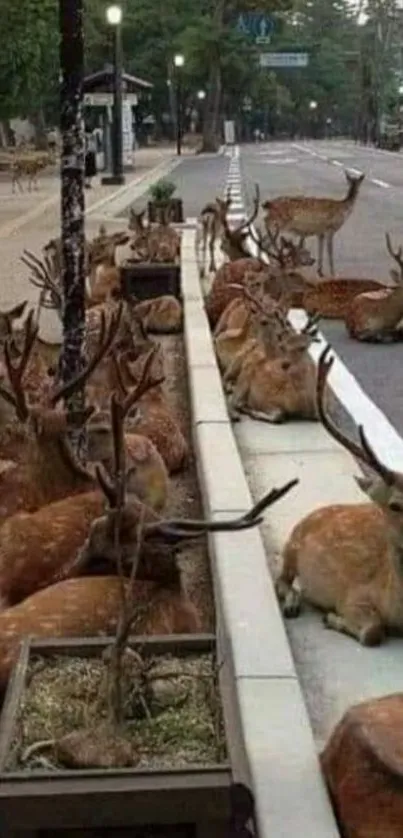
329 242
321 243
359 620
289 597
204 251
212 266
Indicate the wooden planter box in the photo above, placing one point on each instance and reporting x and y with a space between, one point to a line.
175 205
35 800
145 280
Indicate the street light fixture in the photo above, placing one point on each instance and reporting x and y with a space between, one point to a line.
179 62
201 94
313 105
114 19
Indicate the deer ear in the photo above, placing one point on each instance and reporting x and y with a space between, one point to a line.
364 483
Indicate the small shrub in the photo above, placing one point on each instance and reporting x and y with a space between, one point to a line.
162 191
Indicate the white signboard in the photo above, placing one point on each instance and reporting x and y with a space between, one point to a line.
106 99
127 134
229 132
284 59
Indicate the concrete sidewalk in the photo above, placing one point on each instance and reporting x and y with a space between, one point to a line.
29 220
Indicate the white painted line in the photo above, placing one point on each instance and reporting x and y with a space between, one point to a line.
380 183
337 163
357 172
283 162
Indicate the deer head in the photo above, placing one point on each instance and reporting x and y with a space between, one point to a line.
234 242
386 488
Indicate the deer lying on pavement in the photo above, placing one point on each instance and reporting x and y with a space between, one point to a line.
308 216
331 298
160 315
347 557
376 316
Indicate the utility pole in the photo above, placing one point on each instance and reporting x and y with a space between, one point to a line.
72 195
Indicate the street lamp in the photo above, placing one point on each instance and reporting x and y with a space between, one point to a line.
179 62
201 94
313 105
114 19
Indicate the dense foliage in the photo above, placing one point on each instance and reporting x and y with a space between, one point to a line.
346 62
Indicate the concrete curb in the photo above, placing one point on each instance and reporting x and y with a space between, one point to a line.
281 758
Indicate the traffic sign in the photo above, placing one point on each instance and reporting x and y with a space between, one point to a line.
284 59
256 25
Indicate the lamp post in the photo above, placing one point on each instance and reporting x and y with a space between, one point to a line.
201 95
72 199
179 63
114 18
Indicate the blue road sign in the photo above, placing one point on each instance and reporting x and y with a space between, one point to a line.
255 25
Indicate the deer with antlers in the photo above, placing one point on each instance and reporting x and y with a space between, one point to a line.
375 316
348 557
156 419
307 216
209 228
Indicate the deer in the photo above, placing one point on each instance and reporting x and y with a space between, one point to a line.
331 298
311 216
287 269
347 557
156 418
104 275
47 471
29 167
278 389
36 546
160 315
375 316
209 228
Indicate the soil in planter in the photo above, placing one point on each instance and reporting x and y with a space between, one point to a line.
178 724
185 500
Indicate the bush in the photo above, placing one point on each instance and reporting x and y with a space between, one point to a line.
162 191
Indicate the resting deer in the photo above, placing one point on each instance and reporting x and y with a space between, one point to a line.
348 557
160 315
308 216
209 229
375 316
276 389
153 243
156 418
104 276
331 298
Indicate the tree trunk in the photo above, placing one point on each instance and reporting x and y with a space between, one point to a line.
38 121
72 198
211 141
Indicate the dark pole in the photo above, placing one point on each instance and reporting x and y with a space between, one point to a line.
178 112
72 194
117 177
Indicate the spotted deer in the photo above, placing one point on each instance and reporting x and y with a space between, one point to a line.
348 557
376 316
28 166
160 315
331 298
209 229
156 419
311 216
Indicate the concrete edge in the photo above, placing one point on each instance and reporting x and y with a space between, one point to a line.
281 758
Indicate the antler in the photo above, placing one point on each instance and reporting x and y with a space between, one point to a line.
16 372
107 335
363 452
42 276
245 225
397 255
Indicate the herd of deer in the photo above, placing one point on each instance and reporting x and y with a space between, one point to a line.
347 559
58 552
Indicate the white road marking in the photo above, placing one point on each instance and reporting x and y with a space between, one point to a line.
380 183
283 162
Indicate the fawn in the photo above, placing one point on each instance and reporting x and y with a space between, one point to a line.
348 557
209 228
375 316
29 167
307 216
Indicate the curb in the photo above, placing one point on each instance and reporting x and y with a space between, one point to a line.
280 758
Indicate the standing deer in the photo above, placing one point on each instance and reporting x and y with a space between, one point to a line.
375 316
307 216
348 557
209 229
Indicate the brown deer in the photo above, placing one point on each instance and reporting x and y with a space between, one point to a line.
156 419
348 557
209 229
275 390
46 473
308 216
375 316
90 607
331 298
160 315
28 166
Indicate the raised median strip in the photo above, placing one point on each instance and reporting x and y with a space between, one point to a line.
281 762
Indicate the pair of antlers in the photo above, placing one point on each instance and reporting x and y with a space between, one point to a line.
16 368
